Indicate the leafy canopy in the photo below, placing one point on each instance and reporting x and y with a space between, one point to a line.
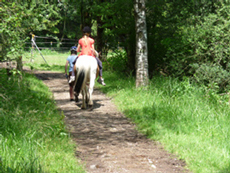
18 19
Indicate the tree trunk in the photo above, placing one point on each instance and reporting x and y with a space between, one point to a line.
86 16
142 76
130 49
100 31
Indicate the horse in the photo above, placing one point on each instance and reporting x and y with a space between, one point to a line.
86 71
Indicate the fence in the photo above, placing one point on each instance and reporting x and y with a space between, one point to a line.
55 44
51 43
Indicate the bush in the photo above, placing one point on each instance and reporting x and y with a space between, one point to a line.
203 52
213 76
116 62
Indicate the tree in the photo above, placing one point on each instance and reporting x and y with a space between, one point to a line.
142 75
18 19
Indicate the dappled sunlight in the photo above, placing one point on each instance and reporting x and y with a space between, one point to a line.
106 138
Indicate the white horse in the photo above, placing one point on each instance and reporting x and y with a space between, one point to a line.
86 71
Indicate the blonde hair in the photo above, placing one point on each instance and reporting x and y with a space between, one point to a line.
85 38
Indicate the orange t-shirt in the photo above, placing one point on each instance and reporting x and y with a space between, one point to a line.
86 46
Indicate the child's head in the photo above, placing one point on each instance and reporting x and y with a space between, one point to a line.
86 30
73 50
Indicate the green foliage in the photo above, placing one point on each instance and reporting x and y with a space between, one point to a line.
18 19
198 45
185 38
33 137
70 20
118 21
213 76
116 62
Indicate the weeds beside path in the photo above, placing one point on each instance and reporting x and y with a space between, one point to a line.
107 141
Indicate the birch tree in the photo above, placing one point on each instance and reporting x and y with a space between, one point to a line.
142 76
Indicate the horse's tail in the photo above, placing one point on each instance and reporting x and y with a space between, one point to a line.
85 72
80 80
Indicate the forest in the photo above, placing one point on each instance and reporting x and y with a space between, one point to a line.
180 47
184 38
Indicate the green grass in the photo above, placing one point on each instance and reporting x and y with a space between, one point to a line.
189 121
51 60
33 137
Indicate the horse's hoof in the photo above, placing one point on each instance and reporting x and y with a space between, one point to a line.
83 107
76 99
90 107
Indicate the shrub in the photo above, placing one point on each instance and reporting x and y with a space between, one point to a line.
116 62
201 50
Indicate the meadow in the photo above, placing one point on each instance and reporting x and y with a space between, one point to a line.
188 120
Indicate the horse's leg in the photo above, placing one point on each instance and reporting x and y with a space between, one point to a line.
87 95
76 97
75 94
83 98
91 85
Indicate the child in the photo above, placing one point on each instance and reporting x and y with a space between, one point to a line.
86 44
69 62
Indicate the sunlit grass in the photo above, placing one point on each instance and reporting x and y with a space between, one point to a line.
46 60
189 121
33 137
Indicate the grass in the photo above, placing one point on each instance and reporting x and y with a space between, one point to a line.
47 60
33 137
189 121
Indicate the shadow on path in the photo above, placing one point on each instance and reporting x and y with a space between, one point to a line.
106 140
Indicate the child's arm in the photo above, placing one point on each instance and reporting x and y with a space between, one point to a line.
66 65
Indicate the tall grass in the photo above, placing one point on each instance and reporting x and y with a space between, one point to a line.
33 137
188 120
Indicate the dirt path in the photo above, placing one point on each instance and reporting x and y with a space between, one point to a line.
107 141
